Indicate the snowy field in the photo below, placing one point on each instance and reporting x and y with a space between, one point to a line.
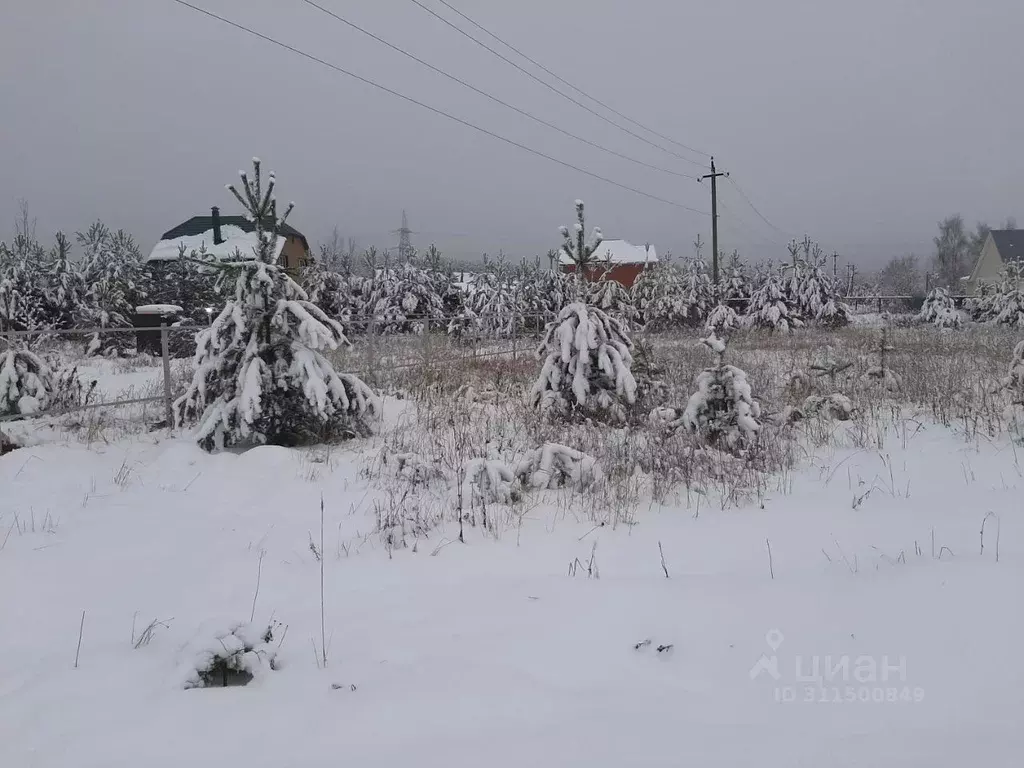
839 608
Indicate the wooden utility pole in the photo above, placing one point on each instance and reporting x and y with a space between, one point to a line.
714 218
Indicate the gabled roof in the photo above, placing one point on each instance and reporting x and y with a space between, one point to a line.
618 252
1009 243
237 232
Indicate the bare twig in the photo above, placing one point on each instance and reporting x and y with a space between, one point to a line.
771 566
663 566
256 594
323 625
81 630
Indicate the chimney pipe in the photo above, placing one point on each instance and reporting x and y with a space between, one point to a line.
215 215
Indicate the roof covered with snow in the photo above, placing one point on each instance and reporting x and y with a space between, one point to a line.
237 233
619 252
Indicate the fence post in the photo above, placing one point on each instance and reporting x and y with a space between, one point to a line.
165 353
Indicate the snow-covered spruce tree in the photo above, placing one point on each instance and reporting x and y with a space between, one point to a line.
65 297
22 285
329 290
658 297
722 412
188 281
722 320
698 292
260 374
611 296
939 309
1008 302
586 367
736 286
578 248
770 307
403 299
25 383
811 289
117 282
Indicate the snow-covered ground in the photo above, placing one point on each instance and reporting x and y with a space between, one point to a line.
875 633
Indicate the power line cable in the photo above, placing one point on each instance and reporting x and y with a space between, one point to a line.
550 87
493 98
562 80
754 208
435 110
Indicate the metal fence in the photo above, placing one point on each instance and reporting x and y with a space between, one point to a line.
40 338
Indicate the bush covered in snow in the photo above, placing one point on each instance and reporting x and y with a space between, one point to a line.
234 655
770 306
1014 383
1007 307
488 481
939 309
556 466
586 366
25 383
721 320
722 412
260 374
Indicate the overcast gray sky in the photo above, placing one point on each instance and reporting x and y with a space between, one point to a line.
861 123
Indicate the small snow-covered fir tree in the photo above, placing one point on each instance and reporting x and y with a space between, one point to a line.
721 320
495 302
611 296
939 309
1007 306
698 292
586 366
658 296
811 289
66 291
736 286
579 249
722 412
22 285
331 291
260 374
25 383
117 282
403 299
770 307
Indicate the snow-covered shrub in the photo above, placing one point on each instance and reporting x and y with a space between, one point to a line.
556 466
770 307
25 383
835 406
234 655
488 481
736 286
651 389
494 308
722 412
721 320
939 309
69 391
586 366
260 374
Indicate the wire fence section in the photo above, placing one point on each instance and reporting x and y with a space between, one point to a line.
381 349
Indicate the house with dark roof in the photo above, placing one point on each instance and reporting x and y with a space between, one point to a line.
225 236
1002 247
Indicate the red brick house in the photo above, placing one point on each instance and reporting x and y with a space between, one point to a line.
617 259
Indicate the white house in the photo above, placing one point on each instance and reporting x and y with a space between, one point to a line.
1002 246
